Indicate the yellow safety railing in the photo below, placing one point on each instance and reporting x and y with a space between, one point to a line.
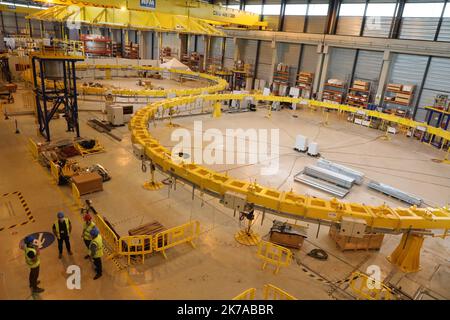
248 294
32 146
133 246
53 48
272 292
274 254
368 288
175 236
54 170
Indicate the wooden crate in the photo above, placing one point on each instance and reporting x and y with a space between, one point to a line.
291 235
370 240
88 182
151 229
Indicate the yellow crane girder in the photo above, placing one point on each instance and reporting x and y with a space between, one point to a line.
19 9
140 20
189 8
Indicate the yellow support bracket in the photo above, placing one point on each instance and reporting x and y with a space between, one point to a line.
407 254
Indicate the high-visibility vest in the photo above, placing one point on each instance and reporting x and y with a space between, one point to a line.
56 225
98 242
87 230
29 261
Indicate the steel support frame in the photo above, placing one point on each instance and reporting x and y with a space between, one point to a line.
66 96
422 84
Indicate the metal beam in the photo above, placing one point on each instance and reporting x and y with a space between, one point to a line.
384 73
422 84
441 18
397 20
417 47
282 15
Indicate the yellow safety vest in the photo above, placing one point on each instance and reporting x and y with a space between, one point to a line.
29 261
56 225
87 230
98 242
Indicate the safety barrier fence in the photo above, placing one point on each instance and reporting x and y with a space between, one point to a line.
274 254
32 146
185 233
248 294
54 170
287 203
368 288
270 292
136 246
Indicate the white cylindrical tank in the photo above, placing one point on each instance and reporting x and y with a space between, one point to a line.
313 149
301 143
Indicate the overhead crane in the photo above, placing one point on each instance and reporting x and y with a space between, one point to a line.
163 15
413 222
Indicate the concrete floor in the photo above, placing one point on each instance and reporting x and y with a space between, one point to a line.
219 268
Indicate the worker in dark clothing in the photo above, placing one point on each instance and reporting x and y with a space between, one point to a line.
96 251
87 227
33 261
62 229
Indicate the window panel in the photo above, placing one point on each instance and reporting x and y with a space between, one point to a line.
352 10
254 8
295 9
272 9
380 9
420 10
318 10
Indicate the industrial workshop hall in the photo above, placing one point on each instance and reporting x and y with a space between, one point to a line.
205 151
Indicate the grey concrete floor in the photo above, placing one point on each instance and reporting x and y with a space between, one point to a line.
219 268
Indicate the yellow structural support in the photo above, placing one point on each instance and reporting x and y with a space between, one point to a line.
170 238
407 254
217 112
274 254
368 288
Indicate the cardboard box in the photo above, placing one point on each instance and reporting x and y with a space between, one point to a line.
88 182
369 241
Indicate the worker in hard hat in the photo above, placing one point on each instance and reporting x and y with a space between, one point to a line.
33 261
87 227
62 229
96 251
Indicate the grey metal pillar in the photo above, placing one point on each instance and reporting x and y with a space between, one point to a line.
321 69
387 56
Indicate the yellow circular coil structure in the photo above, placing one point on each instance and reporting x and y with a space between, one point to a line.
217 84
287 203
